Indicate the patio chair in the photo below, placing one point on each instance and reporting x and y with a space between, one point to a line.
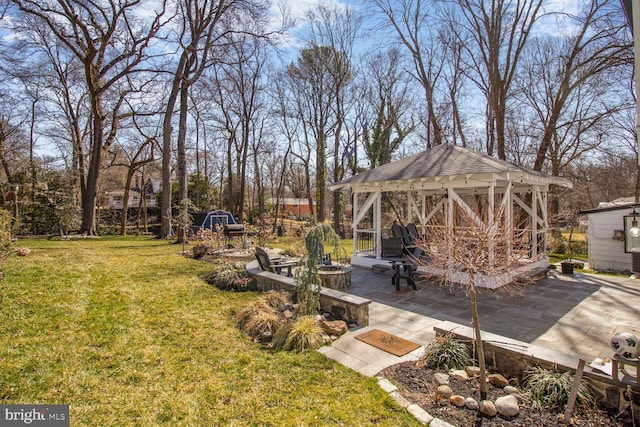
409 244
274 265
392 247
413 232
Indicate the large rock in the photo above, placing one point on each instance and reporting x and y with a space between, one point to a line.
473 371
334 327
510 390
498 380
459 374
507 406
471 403
444 391
441 379
488 408
457 400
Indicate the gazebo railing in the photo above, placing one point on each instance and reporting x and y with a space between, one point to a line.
366 241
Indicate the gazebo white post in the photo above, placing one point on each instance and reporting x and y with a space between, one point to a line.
354 225
534 220
377 222
545 220
491 219
449 225
423 214
508 216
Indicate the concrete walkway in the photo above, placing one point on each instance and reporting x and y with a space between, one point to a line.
573 314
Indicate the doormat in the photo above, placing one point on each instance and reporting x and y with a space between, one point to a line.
387 342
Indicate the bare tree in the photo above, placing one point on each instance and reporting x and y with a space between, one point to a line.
466 247
111 43
197 37
493 34
386 100
413 24
563 77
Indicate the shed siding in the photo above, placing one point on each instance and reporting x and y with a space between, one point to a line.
606 253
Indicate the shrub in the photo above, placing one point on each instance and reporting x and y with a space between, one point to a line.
445 352
251 310
551 389
276 299
299 335
263 321
232 277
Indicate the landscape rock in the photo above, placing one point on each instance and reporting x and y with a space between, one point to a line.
488 408
288 314
507 406
287 307
334 327
510 390
459 374
441 379
471 403
498 380
473 371
457 400
437 422
444 391
420 414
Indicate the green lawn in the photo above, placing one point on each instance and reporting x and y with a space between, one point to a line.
125 331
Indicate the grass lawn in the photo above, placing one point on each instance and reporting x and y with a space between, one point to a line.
125 331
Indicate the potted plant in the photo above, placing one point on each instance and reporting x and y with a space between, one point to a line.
567 264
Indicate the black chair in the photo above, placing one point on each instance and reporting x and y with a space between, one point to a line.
392 247
409 244
274 265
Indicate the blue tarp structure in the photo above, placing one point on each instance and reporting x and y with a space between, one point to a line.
208 219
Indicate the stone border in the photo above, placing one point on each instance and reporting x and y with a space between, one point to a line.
355 308
512 356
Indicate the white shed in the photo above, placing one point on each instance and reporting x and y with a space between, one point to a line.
605 237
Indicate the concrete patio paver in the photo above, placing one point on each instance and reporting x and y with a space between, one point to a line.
574 314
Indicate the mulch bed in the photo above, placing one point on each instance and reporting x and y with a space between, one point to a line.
419 386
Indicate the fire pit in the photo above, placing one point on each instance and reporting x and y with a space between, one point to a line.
335 276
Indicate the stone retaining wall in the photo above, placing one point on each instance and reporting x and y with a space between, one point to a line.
351 308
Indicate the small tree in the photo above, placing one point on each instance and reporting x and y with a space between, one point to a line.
184 220
471 249
5 238
307 279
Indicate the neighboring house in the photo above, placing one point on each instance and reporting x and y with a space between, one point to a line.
114 199
295 207
605 235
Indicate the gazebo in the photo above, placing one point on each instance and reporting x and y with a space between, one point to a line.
436 183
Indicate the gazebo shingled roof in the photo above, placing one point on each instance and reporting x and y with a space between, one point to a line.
446 161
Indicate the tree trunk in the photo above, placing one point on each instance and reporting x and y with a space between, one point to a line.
167 132
321 176
125 202
476 330
89 194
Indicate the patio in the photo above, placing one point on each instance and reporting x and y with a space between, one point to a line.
574 314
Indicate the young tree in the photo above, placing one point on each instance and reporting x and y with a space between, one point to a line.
466 247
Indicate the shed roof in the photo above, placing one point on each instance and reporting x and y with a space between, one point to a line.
444 164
